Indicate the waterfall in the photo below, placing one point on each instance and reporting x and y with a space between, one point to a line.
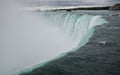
78 27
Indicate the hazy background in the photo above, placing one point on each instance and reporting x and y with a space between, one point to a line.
69 2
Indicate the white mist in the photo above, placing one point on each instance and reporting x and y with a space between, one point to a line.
26 39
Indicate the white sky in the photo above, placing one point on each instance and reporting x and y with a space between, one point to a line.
75 2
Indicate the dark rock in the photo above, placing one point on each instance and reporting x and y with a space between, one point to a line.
115 7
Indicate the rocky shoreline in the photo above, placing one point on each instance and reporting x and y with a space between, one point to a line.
114 7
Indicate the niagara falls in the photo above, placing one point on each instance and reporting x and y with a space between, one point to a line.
61 37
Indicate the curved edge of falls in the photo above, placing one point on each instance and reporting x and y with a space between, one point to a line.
79 27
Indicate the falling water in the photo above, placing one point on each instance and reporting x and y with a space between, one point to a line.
78 27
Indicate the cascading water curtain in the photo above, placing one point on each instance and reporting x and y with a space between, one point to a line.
79 27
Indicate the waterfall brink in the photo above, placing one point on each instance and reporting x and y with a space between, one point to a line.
78 27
